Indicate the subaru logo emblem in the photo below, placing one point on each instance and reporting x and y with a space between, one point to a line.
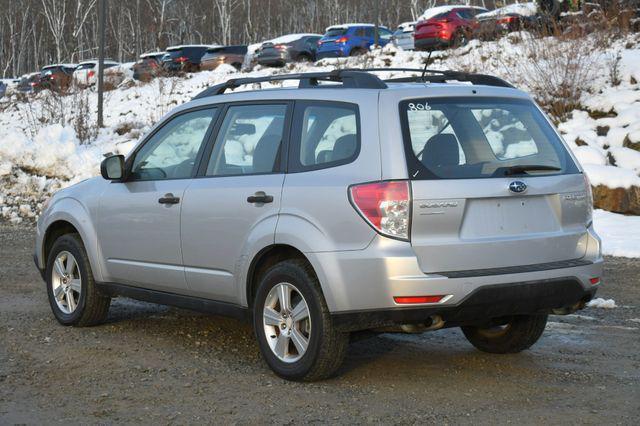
517 186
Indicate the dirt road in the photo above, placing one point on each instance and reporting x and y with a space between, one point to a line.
153 364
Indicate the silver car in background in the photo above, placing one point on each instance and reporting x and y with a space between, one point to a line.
346 204
403 36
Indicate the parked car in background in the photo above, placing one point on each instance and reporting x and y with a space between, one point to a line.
57 76
403 36
350 40
514 17
446 26
185 58
148 66
230 55
29 83
288 48
86 73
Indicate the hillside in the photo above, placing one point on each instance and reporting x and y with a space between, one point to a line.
589 86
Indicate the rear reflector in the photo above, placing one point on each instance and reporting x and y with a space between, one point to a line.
386 206
407 300
594 280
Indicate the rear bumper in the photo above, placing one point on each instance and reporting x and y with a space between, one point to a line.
334 53
484 303
361 281
430 43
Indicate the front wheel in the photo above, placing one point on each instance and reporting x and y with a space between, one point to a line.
72 291
514 335
293 326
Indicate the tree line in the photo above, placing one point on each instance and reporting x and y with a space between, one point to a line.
34 33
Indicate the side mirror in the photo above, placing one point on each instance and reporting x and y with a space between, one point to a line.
112 168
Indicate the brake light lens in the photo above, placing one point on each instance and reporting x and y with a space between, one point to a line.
507 20
182 59
594 280
280 46
91 73
386 206
409 300
342 39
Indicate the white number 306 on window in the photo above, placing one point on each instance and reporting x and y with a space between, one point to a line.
419 107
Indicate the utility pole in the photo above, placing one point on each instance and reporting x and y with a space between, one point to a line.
377 13
102 12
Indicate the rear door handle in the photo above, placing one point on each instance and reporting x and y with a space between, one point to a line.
260 197
169 199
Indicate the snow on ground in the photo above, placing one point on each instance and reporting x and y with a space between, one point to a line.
42 150
620 234
602 303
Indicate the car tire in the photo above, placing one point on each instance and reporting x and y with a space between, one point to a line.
514 336
68 270
279 338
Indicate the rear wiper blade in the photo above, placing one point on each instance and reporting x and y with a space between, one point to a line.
520 169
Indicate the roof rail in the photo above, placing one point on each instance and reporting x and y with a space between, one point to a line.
442 76
351 78
359 78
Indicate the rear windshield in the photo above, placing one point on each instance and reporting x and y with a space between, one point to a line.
85 66
334 32
465 138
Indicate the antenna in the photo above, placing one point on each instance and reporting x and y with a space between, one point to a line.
426 65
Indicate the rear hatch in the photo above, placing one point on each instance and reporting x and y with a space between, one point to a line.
329 40
492 186
269 50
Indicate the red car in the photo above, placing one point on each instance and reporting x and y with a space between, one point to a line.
446 26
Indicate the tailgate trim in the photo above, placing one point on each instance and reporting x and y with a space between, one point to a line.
514 269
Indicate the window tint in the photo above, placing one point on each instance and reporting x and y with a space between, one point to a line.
329 135
473 138
334 32
171 152
248 141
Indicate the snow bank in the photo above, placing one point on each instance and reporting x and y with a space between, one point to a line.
524 9
620 234
602 303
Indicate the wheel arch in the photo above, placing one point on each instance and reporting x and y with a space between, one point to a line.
54 231
266 258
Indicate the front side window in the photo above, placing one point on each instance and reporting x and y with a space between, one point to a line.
475 138
248 141
172 151
329 135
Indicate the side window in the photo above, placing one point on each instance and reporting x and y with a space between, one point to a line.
384 34
329 135
369 32
248 141
171 152
360 32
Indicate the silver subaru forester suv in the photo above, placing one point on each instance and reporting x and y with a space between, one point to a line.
345 204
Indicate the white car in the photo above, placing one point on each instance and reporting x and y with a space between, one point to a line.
403 36
86 74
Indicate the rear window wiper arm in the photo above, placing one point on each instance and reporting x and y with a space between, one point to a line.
520 169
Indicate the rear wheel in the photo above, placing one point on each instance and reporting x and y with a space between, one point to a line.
357 52
72 291
293 326
459 39
515 335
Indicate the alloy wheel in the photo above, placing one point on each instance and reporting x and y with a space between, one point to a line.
286 321
66 282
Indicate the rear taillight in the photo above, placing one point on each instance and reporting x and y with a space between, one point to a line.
182 59
443 21
386 206
342 39
280 46
507 20
589 192
91 73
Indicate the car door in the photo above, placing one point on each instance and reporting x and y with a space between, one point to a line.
233 205
139 218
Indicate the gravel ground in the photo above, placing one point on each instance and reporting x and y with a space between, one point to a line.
154 364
